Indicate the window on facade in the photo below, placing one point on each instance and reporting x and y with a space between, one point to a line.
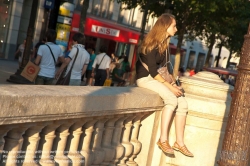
137 17
121 14
200 62
150 22
191 60
5 8
105 8
96 7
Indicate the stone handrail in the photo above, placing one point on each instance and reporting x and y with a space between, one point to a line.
108 126
63 125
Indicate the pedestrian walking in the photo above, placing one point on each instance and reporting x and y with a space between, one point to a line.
48 55
101 67
81 61
89 68
153 53
19 52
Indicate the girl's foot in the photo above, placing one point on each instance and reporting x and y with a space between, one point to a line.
165 147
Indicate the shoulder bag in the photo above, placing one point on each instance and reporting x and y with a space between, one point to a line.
51 53
163 71
65 80
97 65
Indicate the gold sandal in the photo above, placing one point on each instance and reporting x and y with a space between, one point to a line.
182 149
165 147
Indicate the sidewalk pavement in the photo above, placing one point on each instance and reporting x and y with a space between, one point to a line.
7 68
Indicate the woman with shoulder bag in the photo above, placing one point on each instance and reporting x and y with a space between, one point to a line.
153 53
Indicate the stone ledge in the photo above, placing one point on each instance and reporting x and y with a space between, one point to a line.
25 103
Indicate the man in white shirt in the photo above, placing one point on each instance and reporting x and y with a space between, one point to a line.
47 56
102 73
81 62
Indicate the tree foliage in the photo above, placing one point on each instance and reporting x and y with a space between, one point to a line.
208 20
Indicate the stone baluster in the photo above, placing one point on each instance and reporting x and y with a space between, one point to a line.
134 140
119 148
60 143
13 144
99 153
46 143
106 141
31 140
3 131
73 142
125 140
85 150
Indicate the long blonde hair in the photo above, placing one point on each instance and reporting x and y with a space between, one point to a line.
156 38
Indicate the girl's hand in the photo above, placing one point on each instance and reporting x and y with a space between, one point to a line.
176 91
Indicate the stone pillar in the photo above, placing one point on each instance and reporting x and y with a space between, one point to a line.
99 153
119 148
235 150
125 140
31 140
106 141
134 140
85 150
208 99
60 143
46 143
74 138
13 144
3 131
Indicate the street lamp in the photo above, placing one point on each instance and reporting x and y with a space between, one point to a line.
235 149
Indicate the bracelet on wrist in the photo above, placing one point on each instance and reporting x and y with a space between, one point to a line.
163 81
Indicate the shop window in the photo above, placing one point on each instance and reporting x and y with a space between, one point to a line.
5 10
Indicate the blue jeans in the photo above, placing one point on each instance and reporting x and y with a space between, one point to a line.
75 82
41 80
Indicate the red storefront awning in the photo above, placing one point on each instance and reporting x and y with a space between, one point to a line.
109 30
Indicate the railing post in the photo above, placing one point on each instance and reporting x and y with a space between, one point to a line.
134 140
46 143
99 153
60 143
107 138
31 141
3 131
125 140
73 142
13 144
85 150
119 148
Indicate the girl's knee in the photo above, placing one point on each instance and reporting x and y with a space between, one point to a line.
171 104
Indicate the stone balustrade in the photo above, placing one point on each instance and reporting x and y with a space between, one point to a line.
108 126
60 125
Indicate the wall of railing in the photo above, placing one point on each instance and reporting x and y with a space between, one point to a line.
53 125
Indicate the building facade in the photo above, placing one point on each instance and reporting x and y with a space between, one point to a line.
103 15
107 24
